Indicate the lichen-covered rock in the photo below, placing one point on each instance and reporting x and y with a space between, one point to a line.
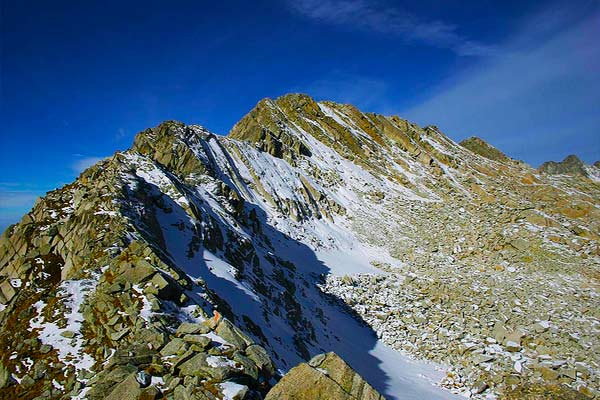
261 358
197 340
5 377
233 335
129 389
325 377
190 328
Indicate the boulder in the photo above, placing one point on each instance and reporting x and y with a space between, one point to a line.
5 378
520 244
175 346
233 335
325 377
204 366
190 328
164 287
134 355
198 340
129 389
261 358
249 367
195 366
150 393
136 273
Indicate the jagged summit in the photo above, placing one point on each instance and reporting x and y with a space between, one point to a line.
483 148
295 125
571 165
265 126
175 146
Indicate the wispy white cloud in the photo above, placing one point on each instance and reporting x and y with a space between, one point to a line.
17 198
372 16
121 133
82 163
539 101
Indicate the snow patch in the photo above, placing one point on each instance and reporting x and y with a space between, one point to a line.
70 350
231 389
219 361
146 311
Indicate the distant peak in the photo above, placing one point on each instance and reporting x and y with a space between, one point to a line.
170 129
265 125
295 98
474 139
484 149
571 165
572 158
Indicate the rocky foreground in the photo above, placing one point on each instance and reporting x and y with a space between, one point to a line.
287 259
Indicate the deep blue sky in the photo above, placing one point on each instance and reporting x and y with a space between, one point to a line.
79 79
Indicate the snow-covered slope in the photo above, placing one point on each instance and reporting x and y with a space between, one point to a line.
295 232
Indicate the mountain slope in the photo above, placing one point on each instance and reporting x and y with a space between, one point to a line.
309 219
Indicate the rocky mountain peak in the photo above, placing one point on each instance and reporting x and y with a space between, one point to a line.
293 125
179 148
571 165
483 148
298 101
169 132
267 126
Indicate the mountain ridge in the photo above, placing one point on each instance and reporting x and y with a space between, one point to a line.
274 227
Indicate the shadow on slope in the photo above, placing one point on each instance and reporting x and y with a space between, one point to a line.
269 284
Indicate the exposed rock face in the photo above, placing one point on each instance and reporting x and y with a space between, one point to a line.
571 165
197 266
325 377
263 127
484 149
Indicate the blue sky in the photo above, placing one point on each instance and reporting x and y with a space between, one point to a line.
79 79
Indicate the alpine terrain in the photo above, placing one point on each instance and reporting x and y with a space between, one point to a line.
316 252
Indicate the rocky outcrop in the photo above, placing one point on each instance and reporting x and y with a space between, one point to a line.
571 165
325 377
197 365
285 126
484 149
264 127
172 145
